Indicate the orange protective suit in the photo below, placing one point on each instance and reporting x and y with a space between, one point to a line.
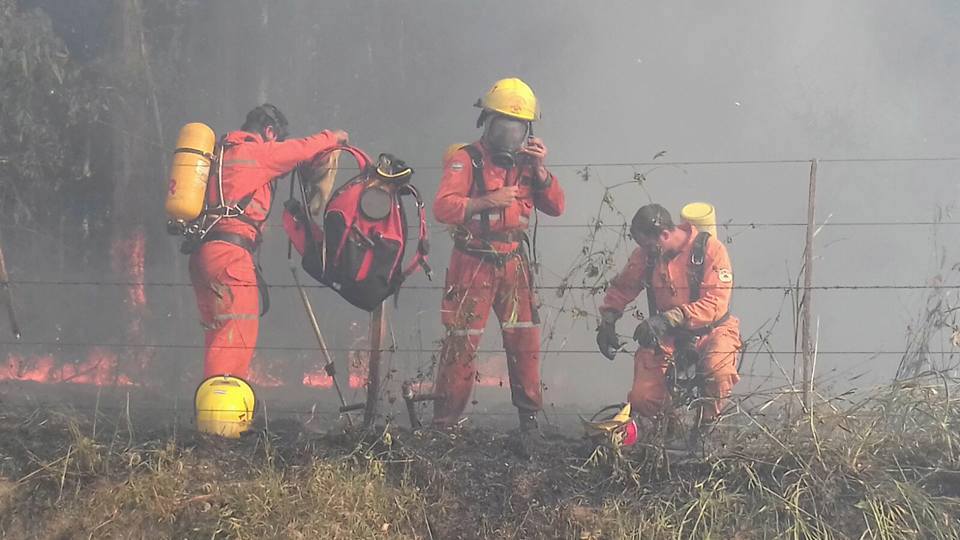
222 272
719 348
489 269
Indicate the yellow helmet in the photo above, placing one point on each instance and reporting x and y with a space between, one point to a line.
451 150
224 406
511 97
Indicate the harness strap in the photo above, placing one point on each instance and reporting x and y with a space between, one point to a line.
486 255
423 245
651 265
695 271
479 185
232 238
699 332
498 236
236 211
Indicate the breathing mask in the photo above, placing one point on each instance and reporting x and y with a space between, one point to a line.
505 136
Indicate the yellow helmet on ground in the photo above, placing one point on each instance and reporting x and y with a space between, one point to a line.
451 150
621 429
511 97
224 406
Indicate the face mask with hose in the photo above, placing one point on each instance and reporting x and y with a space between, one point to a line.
509 110
505 136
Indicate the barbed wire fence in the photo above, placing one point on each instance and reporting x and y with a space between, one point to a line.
574 290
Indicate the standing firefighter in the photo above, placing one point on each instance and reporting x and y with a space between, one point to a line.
223 271
488 193
689 282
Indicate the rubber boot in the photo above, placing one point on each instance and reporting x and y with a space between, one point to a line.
530 438
528 421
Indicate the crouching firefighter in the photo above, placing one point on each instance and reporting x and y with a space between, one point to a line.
223 242
489 191
689 281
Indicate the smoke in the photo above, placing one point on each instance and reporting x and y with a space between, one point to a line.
620 81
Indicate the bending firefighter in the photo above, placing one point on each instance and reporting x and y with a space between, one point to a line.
488 193
689 281
223 271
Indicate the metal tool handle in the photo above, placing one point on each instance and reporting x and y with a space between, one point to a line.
323 344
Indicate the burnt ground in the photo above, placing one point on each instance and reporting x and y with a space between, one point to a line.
73 465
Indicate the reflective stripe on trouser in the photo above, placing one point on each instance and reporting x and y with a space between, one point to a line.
719 351
472 287
225 284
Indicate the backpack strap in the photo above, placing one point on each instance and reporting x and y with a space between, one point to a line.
363 160
479 186
695 273
238 210
651 264
423 244
696 270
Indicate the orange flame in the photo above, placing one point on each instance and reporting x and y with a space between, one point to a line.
317 379
99 368
128 256
258 376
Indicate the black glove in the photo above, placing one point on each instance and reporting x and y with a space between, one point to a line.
607 340
651 331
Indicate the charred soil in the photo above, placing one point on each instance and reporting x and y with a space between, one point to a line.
887 467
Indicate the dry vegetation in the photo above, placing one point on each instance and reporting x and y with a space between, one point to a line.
883 467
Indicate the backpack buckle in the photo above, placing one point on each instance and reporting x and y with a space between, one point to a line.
696 258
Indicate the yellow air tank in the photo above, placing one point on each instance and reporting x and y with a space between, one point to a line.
189 172
451 150
702 215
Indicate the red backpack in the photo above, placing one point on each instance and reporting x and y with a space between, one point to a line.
360 247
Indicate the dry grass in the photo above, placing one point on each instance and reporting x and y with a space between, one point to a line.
884 467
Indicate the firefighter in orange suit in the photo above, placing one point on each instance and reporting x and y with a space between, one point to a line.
222 268
488 193
689 281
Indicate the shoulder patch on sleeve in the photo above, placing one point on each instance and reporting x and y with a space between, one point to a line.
456 166
724 275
